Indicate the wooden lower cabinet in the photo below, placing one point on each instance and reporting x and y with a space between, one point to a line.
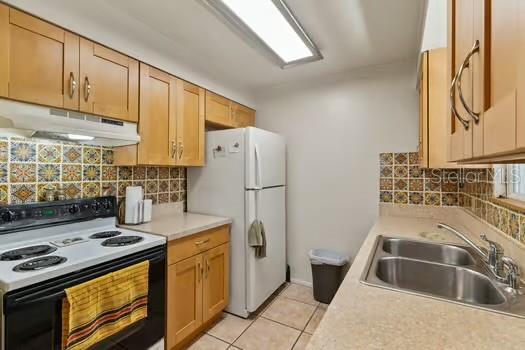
197 286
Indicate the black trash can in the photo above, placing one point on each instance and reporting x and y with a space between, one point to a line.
328 268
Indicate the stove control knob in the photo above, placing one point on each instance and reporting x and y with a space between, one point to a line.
107 204
8 216
74 209
95 206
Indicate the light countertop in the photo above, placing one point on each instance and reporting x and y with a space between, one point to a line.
172 223
367 317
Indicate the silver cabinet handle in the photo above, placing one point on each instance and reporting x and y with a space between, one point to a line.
87 89
72 85
173 149
453 104
466 64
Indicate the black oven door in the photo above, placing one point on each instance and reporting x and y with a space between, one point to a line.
33 314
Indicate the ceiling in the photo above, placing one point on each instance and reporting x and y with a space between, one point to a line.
351 34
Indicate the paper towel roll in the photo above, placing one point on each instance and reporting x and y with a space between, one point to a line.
134 197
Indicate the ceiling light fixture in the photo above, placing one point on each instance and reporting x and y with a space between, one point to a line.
271 24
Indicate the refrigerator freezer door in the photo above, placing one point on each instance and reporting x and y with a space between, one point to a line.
265 275
265 159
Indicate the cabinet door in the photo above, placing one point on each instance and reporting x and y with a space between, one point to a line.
218 109
423 112
157 125
243 116
216 289
38 61
109 82
190 124
500 118
184 299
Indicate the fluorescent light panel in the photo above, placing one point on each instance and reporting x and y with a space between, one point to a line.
267 21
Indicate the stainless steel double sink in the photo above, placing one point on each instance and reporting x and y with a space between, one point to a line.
448 272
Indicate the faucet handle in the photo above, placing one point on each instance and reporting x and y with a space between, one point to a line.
513 273
495 247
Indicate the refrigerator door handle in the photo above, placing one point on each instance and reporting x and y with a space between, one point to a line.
258 180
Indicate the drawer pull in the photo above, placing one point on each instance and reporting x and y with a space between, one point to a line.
204 241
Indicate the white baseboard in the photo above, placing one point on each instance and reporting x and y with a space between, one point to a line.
301 282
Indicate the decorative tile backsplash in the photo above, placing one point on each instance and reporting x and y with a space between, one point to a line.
403 182
28 168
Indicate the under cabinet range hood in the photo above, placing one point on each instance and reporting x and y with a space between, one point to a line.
33 121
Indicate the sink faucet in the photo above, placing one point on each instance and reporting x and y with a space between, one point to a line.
494 259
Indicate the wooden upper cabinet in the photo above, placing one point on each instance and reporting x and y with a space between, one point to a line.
38 61
422 145
216 286
190 124
109 82
157 125
184 299
242 116
218 109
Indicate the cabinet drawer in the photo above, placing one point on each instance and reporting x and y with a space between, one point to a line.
188 246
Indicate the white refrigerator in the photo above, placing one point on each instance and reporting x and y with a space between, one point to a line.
245 178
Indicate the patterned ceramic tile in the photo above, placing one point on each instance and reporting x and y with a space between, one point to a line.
432 184
4 194
400 171
174 173
92 155
164 186
449 199
386 159
154 198
416 198
182 173
401 158
4 151
139 173
109 173
493 215
49 153
73 190
108 157
109 189
141 183
504 216
4 174
522 229
71 154
164 173
22 172
415 172
22 152
400 197
413 158
124 173
42 188
386 196
174 185
22 193
175 197
416 185
71 172
432 198
152 186
514 226
48 172
449 186
400 185
90 189
164 198
91 173
386 184
122 187
386 171
152 173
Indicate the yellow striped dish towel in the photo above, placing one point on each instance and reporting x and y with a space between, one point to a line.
95 310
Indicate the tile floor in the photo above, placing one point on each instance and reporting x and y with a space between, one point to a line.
287 322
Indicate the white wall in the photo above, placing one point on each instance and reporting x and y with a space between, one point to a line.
115 29
435 33
335 129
